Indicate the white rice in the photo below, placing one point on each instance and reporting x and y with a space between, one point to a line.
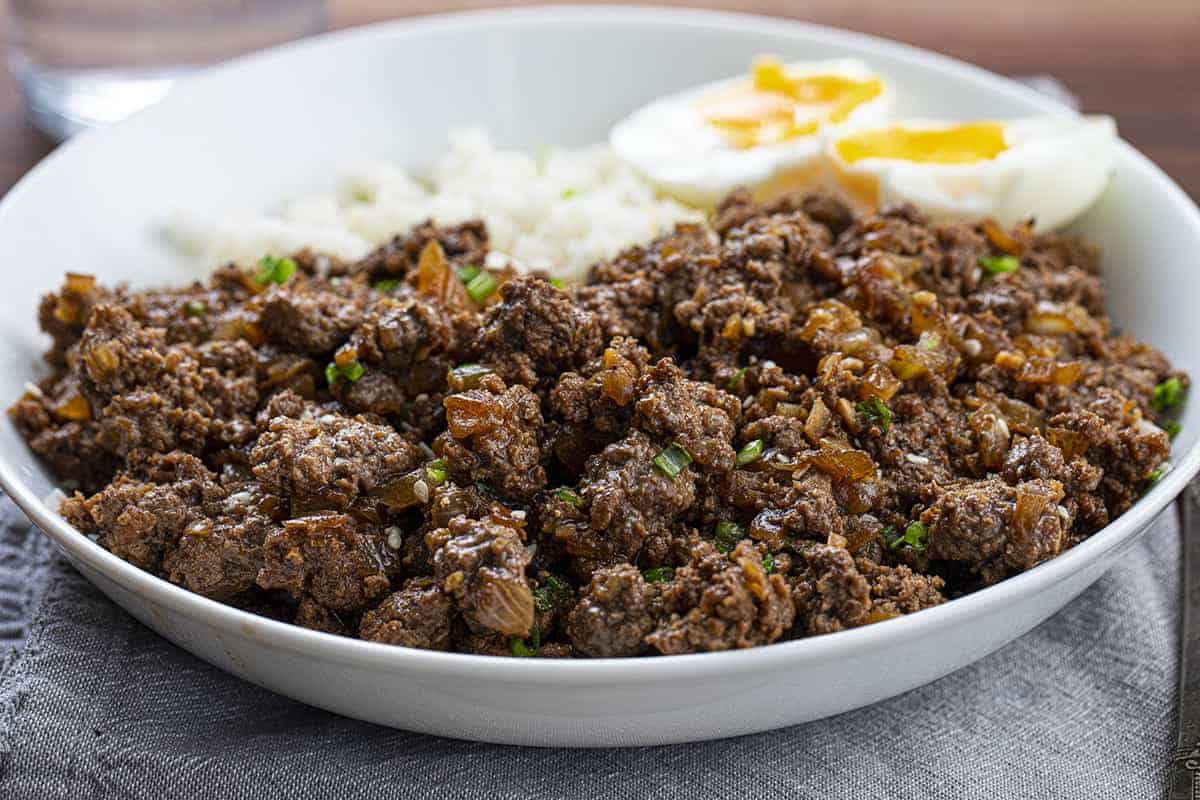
560 212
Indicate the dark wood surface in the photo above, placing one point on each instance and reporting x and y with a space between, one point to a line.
1139 61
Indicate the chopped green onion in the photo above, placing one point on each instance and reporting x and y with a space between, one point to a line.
769 563
550 594
998 265
351 372
876 412
272 269
568 496
481 286
1167 394
1171 427
436 472
568 193
672 460
558 283
361 195
658 574
195 308
750 453
469 375
915 536
468 273
1155 476
736 379
386 285
522 650
728 535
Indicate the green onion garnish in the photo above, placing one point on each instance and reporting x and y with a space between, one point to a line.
658 574
728 535
351 372
522 650
195 308
876 412
481 286
998 265
386 285
436 472
568 193
568 496
469 375
736 379
750 453
558 283
272 269
915 536
672 460
1171 427
467 274
550 594
769 563
1167 394
1155 476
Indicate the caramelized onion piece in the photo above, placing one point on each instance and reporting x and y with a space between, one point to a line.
436 278
1000 238
504 605
994 435
73 409
841 462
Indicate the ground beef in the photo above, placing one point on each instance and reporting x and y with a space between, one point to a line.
328 558
612 618
793 420
493 436
481 564
536 333
329 458
420 615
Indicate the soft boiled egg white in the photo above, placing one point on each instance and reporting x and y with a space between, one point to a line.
1050 169
765 131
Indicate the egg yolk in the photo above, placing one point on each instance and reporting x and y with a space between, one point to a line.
775 107
961 144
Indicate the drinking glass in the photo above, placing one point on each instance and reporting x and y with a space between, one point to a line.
84 63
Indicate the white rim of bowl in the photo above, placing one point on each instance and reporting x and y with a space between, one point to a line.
613 671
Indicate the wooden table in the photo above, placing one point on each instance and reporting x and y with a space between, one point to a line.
1137 61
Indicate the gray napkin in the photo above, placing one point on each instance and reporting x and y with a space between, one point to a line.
95 705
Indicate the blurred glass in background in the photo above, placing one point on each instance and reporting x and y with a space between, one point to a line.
84 63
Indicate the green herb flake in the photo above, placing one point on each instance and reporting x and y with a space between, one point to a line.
272 269
751 452
468 273
468 375
436 472
558 283
386 285
915 536
1155 476
195 308
736 379
550 594
769 563
658 574
480 287
568 496
672 460
876 412
1167 394
1172 427
998 265
568 193
728 534
351 372
522 650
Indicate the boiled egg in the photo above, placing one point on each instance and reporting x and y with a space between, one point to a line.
764 131
1048 169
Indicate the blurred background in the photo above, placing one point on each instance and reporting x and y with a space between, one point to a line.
100 58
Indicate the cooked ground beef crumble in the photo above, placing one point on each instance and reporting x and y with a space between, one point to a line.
788 422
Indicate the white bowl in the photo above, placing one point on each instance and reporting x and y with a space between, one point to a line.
288 120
